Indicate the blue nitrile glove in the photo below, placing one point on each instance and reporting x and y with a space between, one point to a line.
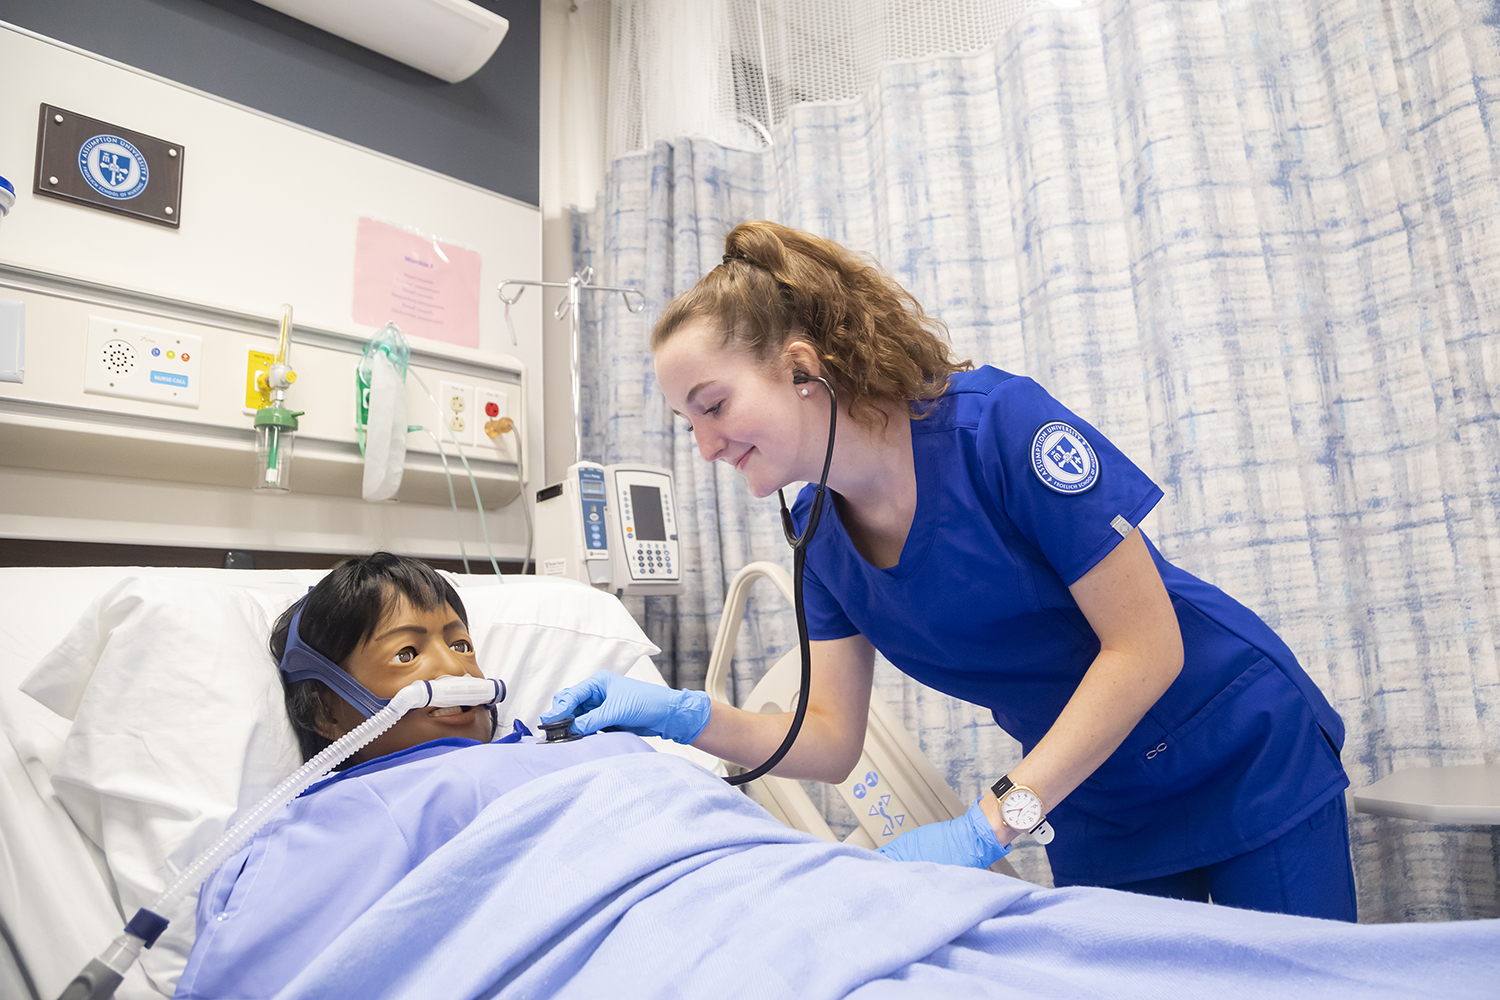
968 841
607 700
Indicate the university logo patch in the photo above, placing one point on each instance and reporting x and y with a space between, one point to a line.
113 167
1062 459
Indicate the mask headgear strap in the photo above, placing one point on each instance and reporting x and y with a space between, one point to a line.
300 662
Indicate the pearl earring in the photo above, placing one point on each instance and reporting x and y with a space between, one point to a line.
804 392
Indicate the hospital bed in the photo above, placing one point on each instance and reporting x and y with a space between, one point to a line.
140 711
59 891
117 646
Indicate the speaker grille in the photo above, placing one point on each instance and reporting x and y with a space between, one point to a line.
118 357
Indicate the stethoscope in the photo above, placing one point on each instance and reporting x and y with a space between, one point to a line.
799 557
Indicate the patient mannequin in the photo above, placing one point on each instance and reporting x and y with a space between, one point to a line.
387 621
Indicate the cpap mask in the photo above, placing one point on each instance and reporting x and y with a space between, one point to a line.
300 662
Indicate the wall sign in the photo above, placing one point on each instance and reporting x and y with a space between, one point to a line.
91 162
425 286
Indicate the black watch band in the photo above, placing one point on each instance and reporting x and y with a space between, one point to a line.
1002 786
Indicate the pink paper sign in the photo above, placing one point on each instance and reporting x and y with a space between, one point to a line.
428 289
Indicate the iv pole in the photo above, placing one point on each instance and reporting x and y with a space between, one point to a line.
576 286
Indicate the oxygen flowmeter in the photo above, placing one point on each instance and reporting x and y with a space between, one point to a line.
275 425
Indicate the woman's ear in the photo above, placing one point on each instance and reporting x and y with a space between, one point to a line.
799 357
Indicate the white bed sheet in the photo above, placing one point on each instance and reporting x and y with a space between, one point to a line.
56 894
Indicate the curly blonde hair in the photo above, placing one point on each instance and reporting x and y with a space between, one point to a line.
777 284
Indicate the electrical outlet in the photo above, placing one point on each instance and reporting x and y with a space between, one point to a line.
490 406
456 403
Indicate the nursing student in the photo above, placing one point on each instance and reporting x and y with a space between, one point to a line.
985 539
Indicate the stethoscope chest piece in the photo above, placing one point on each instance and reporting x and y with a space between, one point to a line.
560 731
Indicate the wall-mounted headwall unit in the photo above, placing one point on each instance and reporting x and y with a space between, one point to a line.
271 214
122 384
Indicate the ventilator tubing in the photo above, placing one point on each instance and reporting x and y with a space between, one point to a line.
99 979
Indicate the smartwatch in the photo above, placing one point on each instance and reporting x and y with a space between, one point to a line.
1021 809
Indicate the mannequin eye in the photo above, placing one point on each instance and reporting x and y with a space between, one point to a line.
461 646
407 654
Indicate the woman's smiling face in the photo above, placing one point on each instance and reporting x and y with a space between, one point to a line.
409 645
742 411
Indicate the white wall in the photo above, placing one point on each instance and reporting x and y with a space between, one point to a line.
269 211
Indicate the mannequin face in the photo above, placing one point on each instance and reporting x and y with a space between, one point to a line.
411 645
744 412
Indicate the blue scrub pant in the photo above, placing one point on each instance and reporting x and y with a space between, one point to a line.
1306 872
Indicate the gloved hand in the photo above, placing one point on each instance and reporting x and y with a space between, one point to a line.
968 841
608 700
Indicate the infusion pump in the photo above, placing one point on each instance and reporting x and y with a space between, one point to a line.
613 527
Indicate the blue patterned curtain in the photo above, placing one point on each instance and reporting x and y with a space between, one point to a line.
1257 243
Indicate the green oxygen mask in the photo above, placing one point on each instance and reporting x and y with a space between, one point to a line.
380 411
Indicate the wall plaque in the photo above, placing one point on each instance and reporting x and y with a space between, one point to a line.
94 163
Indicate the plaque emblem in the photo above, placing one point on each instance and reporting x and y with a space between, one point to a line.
113 167
1063 459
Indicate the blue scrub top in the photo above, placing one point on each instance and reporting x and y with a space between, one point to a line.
272 908
1018 498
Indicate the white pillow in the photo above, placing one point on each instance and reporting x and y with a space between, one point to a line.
177 722
178 719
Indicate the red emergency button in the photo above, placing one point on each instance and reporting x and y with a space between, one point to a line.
184 355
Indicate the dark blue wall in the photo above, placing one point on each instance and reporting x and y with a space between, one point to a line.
484 130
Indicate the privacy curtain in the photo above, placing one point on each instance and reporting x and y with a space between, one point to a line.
1257 243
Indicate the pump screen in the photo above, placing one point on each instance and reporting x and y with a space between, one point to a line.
646 502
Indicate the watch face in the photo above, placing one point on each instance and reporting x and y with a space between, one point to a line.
1021 810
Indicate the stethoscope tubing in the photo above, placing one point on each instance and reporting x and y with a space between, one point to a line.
799 557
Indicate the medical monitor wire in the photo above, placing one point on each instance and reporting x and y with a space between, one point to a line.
478 504
452 497
799 556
